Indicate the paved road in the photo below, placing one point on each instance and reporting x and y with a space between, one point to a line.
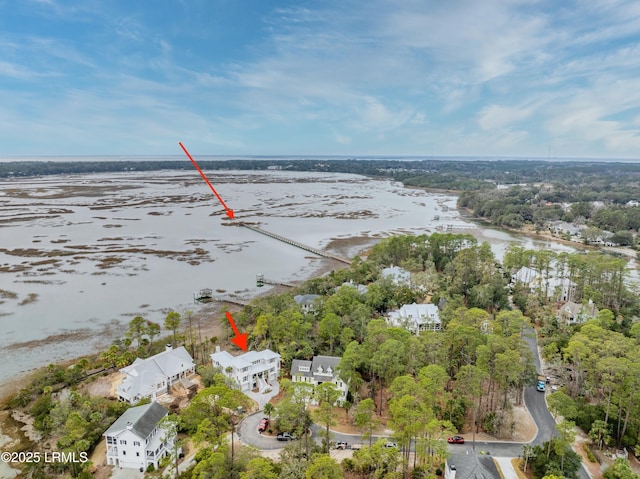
534 401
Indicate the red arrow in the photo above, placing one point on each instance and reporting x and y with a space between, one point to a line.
241 339
229 211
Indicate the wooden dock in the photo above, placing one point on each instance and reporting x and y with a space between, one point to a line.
205 295
236 301
294 243
452 227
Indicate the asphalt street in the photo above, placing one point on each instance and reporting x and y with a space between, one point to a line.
534 401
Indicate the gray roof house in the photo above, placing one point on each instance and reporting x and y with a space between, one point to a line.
306 302
470 466
155 375
574 313
416 318
361 288
135 440
396 274
320 369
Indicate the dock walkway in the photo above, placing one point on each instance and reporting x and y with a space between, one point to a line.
294 243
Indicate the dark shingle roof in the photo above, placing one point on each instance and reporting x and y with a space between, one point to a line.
324 362
471 466
140 419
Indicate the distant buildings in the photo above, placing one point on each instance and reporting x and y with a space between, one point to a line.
251 370
135 439
155 375
320 369
416 318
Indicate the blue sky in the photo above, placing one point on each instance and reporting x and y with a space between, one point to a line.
333 77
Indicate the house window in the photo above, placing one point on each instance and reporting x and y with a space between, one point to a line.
137 454
136 443
124 453
122 441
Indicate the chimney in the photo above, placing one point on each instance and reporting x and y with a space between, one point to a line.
217 349
168 347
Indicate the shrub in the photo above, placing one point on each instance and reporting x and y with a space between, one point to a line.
590 454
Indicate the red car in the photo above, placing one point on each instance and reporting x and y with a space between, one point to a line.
264 423
456 440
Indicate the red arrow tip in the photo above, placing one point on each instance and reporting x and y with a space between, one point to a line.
230 214
240 341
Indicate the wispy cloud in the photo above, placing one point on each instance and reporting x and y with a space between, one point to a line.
406 76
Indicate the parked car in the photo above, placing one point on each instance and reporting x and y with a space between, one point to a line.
455 440
285 436
391 444
264 424
342 445
356 447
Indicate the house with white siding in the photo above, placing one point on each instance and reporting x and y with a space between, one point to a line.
555 289
155 375
320 369
251 370
307 302
574 313
416 318
397 275
136 440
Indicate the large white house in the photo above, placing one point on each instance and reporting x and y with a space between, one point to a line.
155 375
397 275
555 289
251 370
320 369
135 440
416 318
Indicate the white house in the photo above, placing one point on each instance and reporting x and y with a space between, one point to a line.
416 318
560 289
574 313
155 375
320 369
396 274
556 289
251 370
135 440
524 275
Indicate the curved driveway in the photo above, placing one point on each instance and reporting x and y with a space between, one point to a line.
534 401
